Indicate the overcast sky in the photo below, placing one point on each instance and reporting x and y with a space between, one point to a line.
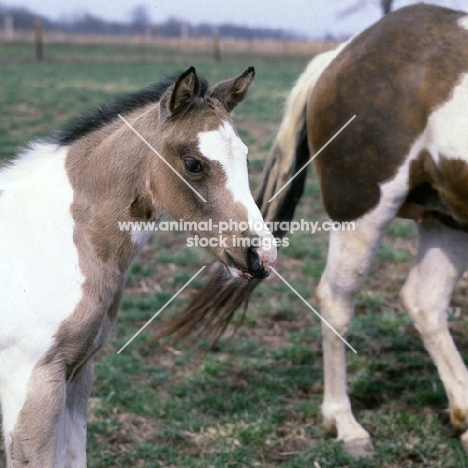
314 18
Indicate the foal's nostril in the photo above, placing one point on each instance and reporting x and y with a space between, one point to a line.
253 262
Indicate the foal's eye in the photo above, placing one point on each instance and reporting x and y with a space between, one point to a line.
192 165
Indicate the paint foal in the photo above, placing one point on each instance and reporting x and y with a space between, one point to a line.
65 259
406 153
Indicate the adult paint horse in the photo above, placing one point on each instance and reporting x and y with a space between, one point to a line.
64 258
406 154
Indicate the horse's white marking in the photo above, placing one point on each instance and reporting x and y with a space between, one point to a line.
395 190
446 132
223 145
463 22
38 257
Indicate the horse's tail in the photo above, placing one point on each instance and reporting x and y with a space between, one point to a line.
290 151
213 307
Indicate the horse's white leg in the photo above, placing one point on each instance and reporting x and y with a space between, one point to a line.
72 427
349 258
441 260
33 398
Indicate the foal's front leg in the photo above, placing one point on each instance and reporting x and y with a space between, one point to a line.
72 427
33 398
441 260
47 429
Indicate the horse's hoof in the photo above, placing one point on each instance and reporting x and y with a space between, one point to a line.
464 441
358 448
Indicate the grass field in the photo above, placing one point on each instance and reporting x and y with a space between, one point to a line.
254 402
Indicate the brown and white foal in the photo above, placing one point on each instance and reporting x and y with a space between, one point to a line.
406 154
64 258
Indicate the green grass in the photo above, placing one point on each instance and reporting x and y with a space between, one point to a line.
256 400
385 252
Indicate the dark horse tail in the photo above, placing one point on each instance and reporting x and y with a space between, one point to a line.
213 307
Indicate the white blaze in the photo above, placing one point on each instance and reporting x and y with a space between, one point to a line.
223 145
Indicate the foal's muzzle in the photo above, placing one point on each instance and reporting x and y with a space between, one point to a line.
256 264
255 267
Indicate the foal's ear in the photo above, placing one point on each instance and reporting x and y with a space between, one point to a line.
184 91
231 92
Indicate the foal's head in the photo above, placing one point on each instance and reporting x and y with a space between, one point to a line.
198 140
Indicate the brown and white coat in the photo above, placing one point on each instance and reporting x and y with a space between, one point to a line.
64 258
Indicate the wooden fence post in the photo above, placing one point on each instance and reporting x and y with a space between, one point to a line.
184 37
38 40
9 28
216 48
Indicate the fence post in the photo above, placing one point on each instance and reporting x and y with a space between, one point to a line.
142 38
38 40
9 28
184 37
216 48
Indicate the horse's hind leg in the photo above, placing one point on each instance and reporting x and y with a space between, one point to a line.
441 260
347 266
349 257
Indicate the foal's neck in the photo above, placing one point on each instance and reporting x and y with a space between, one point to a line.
110 170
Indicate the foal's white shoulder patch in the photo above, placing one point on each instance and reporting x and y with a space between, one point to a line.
446 133
225 146
27 164
463 22
41 285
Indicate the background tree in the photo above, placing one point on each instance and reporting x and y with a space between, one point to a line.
385 5
140 18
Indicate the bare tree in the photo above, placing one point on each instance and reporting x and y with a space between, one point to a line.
385 5
141 24
140 18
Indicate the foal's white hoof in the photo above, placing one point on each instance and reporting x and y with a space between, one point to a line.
358 447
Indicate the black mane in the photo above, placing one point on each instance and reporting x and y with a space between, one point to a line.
97 118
